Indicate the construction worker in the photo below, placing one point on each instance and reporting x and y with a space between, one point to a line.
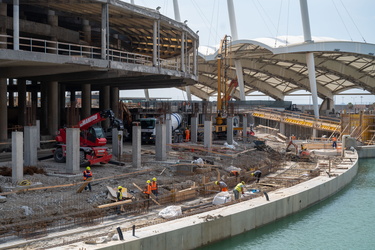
119 193
334 142
239 189
257 174
187 134
234 173
223 186
147 189
86 175
154 186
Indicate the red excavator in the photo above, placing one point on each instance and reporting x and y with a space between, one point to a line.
92 139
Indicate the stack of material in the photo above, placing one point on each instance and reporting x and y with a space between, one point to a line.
112 193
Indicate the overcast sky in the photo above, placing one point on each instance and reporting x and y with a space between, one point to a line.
351 20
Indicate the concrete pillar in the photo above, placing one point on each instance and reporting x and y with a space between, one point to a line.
53 20
38 134
117 142
161 143
86 100
282 128
230 130
3 110
194 129
168 125
53 107
44 107
87 31
104 30
21 88
136 146
72 97
62 105
30 145
244 125
183 69
17 156
115 97
72 151
208 134
16 24
104 103
3 30
155 44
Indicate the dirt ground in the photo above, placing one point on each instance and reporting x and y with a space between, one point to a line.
58 197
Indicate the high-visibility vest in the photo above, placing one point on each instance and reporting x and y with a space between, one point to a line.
119 194
334 139
223 186
239 187
154 185
87 174
147 189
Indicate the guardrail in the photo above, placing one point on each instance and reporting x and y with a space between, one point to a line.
78 50
300 119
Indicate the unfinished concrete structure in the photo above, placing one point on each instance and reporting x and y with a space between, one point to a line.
48 49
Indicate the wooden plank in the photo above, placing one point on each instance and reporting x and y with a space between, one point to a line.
115 204
152 196
84 185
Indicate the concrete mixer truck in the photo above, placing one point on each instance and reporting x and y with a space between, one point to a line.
148 128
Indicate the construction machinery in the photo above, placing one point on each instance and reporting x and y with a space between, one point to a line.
148 128
300 155
92 139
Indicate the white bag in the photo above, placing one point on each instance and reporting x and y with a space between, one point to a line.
170 212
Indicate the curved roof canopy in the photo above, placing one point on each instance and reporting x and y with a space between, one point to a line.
279 71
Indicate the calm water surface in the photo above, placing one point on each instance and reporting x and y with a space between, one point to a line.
345 221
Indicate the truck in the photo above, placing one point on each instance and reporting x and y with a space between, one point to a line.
92 139
148 128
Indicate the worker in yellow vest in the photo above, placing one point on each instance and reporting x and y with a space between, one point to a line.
239 189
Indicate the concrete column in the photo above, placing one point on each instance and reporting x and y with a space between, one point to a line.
30 145
282 128
72 151
38 134
208 134
195 68
183 69
230 130
105 103
16 24
87 31
117 142
53 108
3 30
86 100
194 129
168 125
17 156
161 143
21 86
44 107
53 20
62 105
72 97
244 125
115 96
104 30
3 110
136 146
155 44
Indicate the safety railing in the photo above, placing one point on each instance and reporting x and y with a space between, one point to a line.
78 50
300 119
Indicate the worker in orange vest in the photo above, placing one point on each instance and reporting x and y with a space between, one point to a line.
223 186
154 186
187 134
147 189
86 175
334 142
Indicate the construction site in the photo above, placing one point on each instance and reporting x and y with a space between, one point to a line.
79 165
49 201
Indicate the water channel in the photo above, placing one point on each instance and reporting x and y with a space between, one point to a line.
344 221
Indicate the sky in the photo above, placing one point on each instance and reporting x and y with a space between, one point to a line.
339 19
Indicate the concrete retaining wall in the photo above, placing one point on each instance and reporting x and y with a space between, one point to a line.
366 151
201 229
